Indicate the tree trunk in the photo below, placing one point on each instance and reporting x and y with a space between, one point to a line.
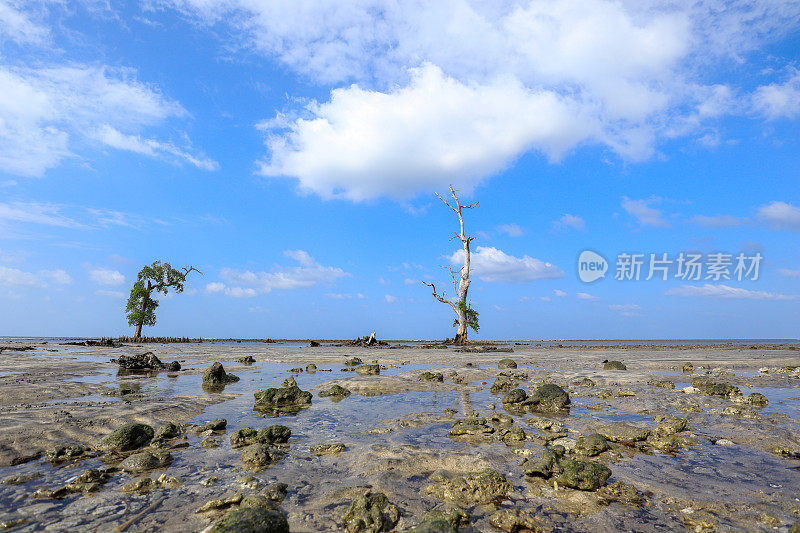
460 285
138 334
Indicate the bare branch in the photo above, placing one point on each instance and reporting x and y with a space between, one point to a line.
440 298
190 268
447 204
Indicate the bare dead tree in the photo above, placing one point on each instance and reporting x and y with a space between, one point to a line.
466 317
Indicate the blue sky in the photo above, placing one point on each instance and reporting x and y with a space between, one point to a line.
291 151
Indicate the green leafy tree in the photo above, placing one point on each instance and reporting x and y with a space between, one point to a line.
158 277
471 316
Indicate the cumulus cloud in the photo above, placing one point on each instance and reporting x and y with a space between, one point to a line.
587 297
780 215
106 276
46 112
247 284
20 278
643 212
724 291
493 265
363 143
560 293
389 298
779 100
568 221
624 72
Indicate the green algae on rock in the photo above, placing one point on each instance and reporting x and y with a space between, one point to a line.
215 375
503 384
128 437
285 399
368 370
486 486
431 376
371 513
713 388
335 392
620 492
144 461
622 432
591 445
252 520
582 475
328 448
260 455
275 434
68 452
506 363
444 518
614 365
516 520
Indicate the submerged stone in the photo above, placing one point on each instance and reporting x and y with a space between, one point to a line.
371 513
550 397
487 486
260 455
144 461
515 520
168 431
328 448
663 383
444 518
620 492
582 475
128 437
546 465
252 520
712 388
59 454
284 399
215 375
503 384
670 426
336 391
368 370
431 376
622 432
592 445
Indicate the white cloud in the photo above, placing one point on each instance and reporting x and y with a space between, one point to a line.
18 26
409 281
780 215
492 265
512 230
628 74
545 298
390 299
20 278
789 273
724 291
338 296
150 147
48 112
718 221
587 296
643 212
779 100
36 213
110 294
247 284
56 276
106 276
560 293
568 221
215 287
359 145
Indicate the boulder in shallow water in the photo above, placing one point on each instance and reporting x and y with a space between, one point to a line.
216 375
368 370
336 391
486 486
371 513
583 475
285 399
614 365
144 461
128 437
252 520
506 363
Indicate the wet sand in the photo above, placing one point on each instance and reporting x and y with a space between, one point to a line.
735 467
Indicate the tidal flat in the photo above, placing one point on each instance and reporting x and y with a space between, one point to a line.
686 437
